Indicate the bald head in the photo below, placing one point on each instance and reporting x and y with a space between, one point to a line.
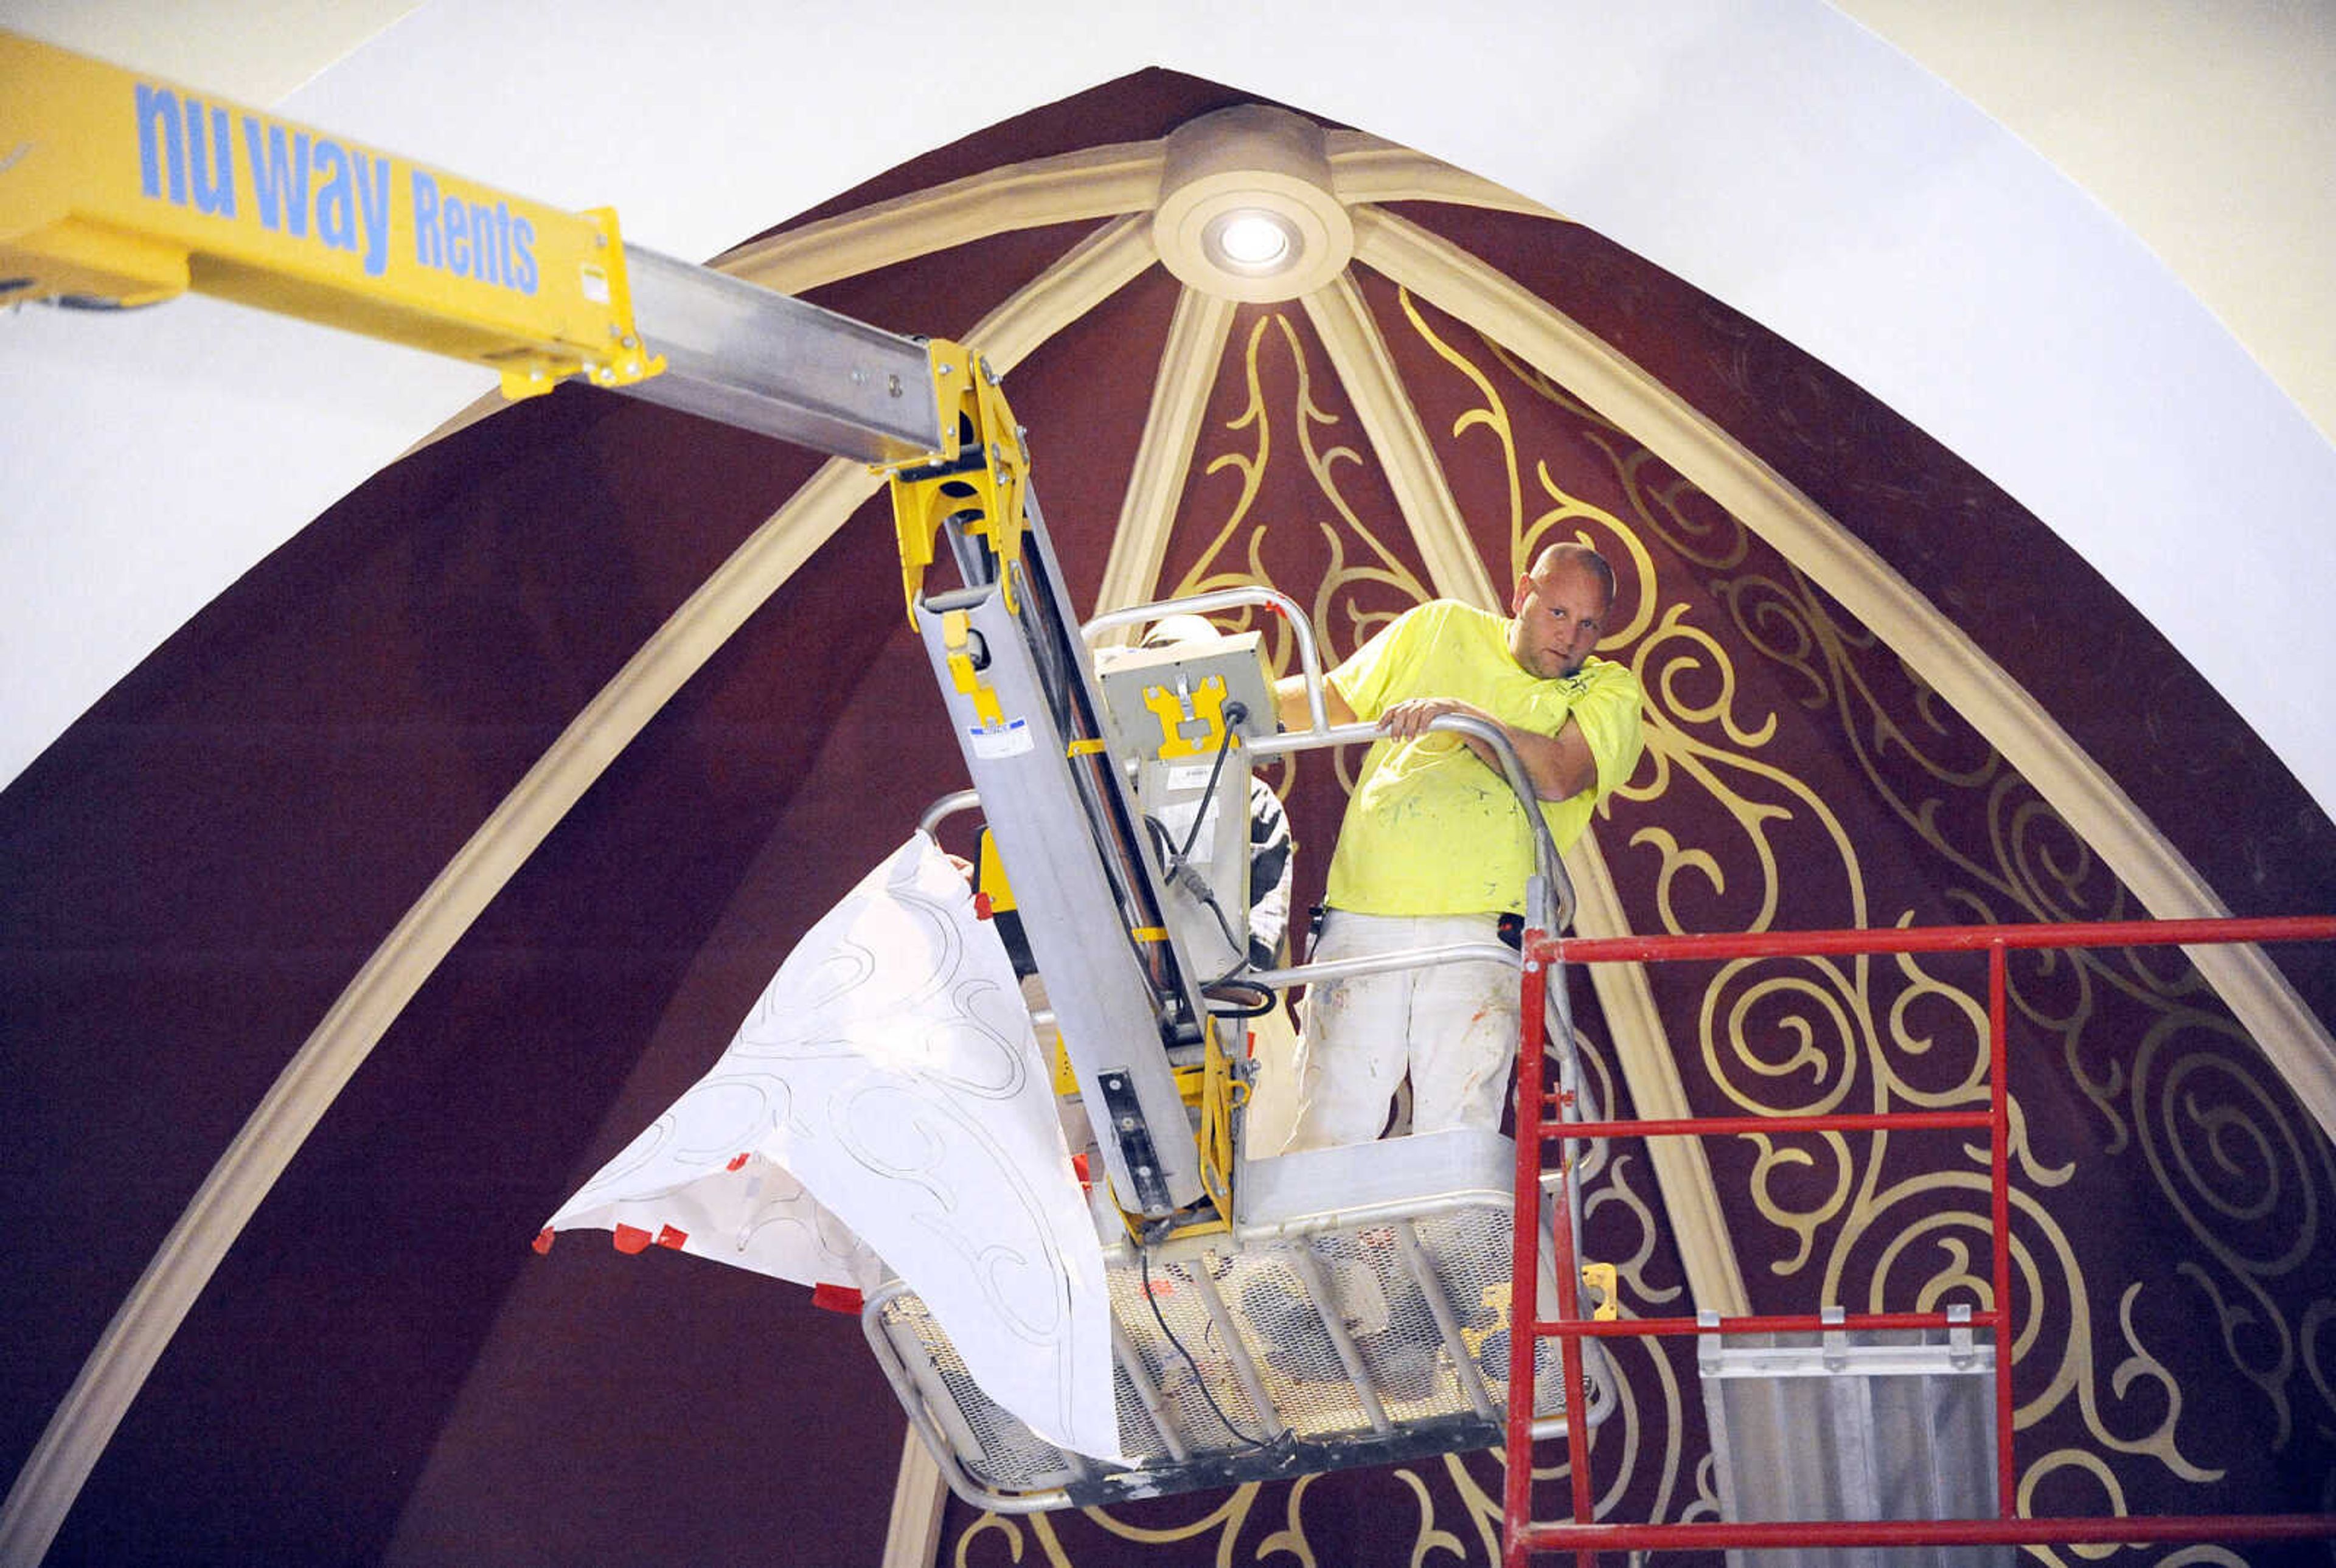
1571 554
1561 610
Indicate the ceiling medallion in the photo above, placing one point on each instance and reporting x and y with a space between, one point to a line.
1246 208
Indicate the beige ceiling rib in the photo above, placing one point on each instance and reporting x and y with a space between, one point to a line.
1458 572
920 1491
1635 1028
2297 1043
1095 182
86 1420
1365 169
1367 371
1188 362
1073 187
1089 273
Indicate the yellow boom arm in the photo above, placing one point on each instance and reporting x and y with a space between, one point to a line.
121 186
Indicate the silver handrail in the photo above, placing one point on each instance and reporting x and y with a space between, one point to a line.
1319 731
1382 963
1557 888
948 806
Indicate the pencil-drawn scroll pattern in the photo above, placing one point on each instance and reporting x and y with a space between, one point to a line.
884 1100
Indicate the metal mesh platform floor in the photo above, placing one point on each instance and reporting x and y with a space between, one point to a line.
1359 1344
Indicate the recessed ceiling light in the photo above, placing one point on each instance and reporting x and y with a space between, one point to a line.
1250 241
1253 239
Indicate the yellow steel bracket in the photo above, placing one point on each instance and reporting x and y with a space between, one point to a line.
990 873
1216 1090
1174 710
123 186
957 642
979 475
1600 1280
1495 1298
602 279
1221 1091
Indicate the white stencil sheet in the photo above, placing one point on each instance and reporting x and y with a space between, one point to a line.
886 1098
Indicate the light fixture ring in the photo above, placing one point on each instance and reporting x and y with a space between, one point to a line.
1241 174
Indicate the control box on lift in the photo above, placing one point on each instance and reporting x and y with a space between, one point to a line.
1179 716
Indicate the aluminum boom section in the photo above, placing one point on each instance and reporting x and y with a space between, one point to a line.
758 360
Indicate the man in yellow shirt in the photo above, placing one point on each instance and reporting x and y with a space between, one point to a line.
1434 848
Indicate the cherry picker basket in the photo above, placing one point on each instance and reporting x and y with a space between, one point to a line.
1358 1314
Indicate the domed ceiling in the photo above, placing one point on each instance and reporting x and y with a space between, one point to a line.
664 662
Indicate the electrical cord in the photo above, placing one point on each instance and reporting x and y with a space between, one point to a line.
1199 1379
1180 872
1233 713
1231 981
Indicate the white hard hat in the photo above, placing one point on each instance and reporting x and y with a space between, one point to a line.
1176 630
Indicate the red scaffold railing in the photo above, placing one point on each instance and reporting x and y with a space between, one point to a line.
1542 1117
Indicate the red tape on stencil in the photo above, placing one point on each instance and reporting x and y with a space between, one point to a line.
739 1163
981 906
837 1299
542 1242
669 1237
631 1239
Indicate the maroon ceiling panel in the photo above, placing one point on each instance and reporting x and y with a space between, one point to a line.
195 868
1141 106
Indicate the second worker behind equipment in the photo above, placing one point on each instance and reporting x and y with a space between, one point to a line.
1433 848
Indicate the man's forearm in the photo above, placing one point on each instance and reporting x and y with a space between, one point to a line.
1560 766
1290 704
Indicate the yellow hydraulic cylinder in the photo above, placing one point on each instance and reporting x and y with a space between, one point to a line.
121 187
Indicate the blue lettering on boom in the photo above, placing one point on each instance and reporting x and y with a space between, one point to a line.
214 170
337 198
187 157
427 249
159 150
372 206
165 162
487 257
490 245
456 216
524 256
279 180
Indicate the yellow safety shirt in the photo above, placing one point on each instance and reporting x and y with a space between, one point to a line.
1431 829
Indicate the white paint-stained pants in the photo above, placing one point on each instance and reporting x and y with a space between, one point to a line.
1453 1026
